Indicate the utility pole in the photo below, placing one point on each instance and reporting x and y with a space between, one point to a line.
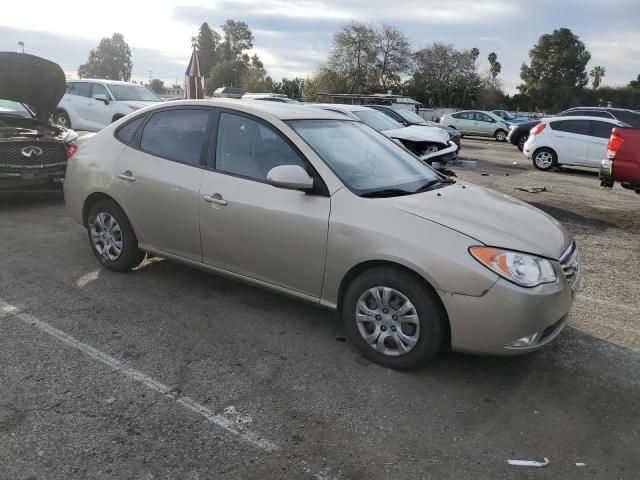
22 45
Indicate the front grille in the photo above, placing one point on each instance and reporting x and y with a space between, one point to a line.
570 261
11 156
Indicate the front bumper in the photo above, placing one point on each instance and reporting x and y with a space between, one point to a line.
508 319
606 173
17 177
443 156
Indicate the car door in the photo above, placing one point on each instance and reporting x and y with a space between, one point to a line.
599 133
102 111
158 180
76 104
251 228
485 124
571 140
463 122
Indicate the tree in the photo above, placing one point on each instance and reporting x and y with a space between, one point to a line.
495 67
635 83
393 57
156 85
207 43
556 72
291 87
237 38
110 60
597 73
353 56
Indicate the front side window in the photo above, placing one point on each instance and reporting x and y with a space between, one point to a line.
133 93
580 127
377 120
250 149
177 135
99 89
364 160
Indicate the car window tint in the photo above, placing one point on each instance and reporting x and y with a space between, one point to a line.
462 116
580 127
251 149
127 132
82 89
595 113
631 118
68 88
97 89
176 134
483 117
601 129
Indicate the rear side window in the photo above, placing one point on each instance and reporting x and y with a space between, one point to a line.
601 129
126 133
581 127
630 118
463 115
176 135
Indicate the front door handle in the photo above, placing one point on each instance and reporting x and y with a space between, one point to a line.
128 176
215 198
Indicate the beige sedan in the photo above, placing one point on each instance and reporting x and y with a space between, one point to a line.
321 207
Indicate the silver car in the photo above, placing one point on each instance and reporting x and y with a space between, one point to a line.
322 207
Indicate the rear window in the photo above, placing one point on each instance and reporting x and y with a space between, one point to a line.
176 135
126 133
581 127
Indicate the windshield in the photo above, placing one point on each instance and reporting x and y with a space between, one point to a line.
364 160
8 107
377 120
410 116
133 94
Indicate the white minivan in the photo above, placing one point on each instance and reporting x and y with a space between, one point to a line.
91 104
580 141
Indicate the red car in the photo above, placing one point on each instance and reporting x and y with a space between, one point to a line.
623 159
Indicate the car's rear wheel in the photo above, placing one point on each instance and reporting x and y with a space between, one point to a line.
61 118
112 238
393 318
545 159
522 139
500 135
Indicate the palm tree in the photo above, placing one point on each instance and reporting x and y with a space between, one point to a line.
597 73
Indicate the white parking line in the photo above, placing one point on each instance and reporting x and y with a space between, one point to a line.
227 422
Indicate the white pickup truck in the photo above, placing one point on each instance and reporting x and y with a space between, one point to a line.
92 104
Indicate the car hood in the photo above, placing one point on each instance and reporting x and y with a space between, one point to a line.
32 80
21 128
488 216
419 133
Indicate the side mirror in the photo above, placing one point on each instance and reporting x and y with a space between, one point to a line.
291 177
102 97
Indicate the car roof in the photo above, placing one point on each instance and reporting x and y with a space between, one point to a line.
582 117
340 106
280 110
101 80
604 109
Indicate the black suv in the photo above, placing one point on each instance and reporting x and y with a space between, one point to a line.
33 151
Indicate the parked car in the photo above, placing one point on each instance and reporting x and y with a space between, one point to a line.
269 97
473 122
408 118
578 141
33 152
624 115
93 104
319 206
429 144
510 119
622 163
519 133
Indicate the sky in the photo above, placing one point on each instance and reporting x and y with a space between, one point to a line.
293 37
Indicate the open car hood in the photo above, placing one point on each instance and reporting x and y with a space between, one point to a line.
419 133
32 80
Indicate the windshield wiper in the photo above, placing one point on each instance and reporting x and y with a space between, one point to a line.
386 192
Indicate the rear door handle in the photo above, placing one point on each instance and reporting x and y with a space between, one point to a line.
127 176
215 198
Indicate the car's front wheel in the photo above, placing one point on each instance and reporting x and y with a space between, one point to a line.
500 135
545 159
393 318
112 238
522 139
61 118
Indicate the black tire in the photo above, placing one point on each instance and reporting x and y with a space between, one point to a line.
522 139
116 118
130 255
61 118
500 135
432 318
550 159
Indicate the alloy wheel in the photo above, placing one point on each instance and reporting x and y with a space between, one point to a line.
544 160
501 136
106 236
387 321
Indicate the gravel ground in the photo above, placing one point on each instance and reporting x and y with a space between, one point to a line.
168 372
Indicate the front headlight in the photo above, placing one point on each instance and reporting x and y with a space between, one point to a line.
519 268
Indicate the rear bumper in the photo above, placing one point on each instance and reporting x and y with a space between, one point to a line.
606 173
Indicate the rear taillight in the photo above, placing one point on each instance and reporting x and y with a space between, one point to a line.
615 144
538 128
72 148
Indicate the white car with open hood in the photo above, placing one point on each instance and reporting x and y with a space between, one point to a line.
429 144
91 105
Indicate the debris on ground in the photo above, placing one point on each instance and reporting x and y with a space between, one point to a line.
484 174
579 464
529 463
532 189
